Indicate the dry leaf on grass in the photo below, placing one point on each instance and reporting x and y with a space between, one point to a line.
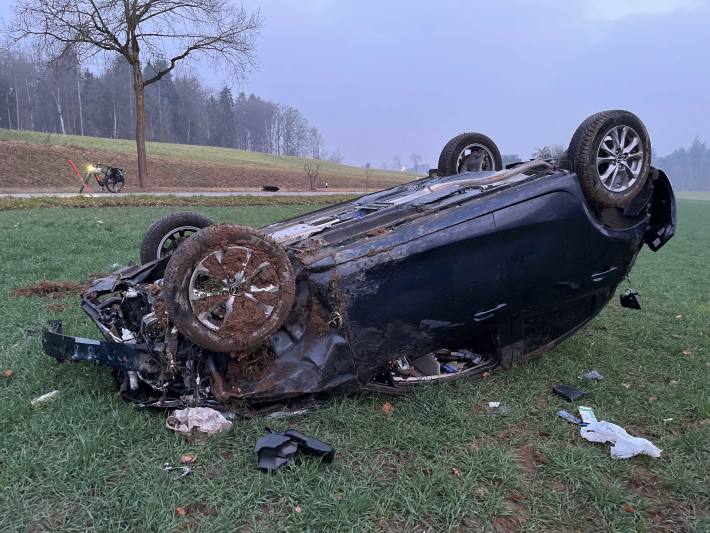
486 375
687 353
181 511
387 408
456 472
8 373
629 508
188 458
297 509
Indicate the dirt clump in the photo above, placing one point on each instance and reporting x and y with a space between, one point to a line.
48 288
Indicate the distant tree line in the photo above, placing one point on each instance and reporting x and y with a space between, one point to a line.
61 97
688 168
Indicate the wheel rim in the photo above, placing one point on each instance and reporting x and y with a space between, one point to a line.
472 153
170 242
620 159
235 291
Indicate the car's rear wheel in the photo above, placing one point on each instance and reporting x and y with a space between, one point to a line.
167 233
611 155
469 152
228 288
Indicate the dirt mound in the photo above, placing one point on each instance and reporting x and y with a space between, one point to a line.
28 166
54 289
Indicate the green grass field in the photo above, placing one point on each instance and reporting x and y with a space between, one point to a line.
88 460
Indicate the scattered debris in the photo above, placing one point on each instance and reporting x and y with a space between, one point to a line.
8 373
493 405
587 414
679 317
629 508
196 508
387 408
277 415
198 422
687 353
629 299
566 415
625 445
570 393
183 470
593 375
626 385
188 458
275 450
297 509
456 472
44 398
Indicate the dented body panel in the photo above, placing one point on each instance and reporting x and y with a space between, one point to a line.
510 269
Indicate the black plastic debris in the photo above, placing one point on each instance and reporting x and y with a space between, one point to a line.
629 299
570 393
270 188
275 450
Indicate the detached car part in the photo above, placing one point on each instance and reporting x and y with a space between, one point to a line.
471 269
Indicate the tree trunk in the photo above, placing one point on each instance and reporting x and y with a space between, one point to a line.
140 125
78 94
17 104
58 102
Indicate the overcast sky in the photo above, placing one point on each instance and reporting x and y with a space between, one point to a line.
391 77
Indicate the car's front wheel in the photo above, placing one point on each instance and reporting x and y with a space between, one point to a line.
228 288
611 154
469 152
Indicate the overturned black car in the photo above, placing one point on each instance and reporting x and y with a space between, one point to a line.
473 268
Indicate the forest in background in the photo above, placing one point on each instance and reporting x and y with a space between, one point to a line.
61 97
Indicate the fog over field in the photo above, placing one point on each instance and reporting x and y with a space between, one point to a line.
385 79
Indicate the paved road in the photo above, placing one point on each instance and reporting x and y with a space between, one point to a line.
181 194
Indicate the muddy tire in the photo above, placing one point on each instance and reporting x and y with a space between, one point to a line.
167 233
469 152
611 154
228 288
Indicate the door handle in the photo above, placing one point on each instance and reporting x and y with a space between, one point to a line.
488 313
599 276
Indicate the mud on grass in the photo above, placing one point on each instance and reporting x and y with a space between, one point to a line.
437 462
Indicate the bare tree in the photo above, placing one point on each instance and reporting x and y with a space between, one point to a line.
397 165
368 175
552 151
416 158
311 170
335 156
136 28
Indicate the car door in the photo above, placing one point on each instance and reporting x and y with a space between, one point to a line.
414 295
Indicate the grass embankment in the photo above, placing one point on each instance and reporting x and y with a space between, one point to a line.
37 161
441 461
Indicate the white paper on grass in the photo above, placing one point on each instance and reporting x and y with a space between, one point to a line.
625 445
